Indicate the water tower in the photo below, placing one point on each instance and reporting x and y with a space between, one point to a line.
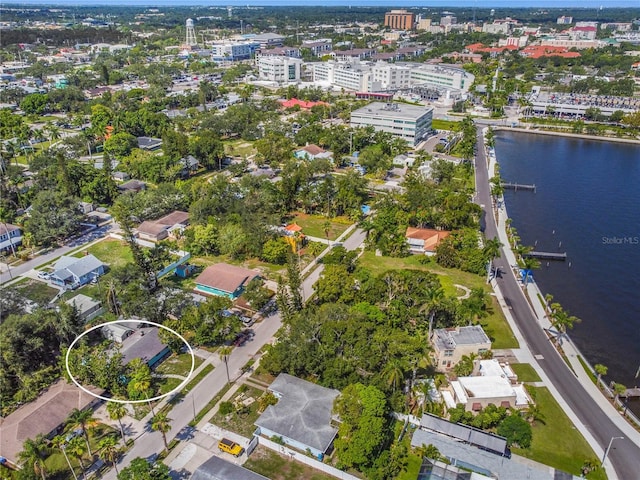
191 34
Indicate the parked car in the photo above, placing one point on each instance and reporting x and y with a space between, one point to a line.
229 446
44 275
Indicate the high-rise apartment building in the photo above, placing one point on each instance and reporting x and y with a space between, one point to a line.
400 19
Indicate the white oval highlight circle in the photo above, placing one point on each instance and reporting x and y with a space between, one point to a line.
117 400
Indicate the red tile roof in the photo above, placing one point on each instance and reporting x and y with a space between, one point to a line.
300 103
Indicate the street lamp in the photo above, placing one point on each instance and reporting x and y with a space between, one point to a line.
606 452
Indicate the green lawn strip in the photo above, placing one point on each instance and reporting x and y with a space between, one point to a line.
592 375
313 225
167 384
241 421
178 364
212 403
495 324
277 467
557 442
240 148
438 124
36 291
525 372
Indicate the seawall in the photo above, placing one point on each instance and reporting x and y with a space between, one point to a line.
565 134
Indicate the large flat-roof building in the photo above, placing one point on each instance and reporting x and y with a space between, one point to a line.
443 77
279 69
412 123
400 20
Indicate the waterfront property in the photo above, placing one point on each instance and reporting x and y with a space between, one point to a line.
409 122
302 416
451 344
491 383
424 240
224 280
73 272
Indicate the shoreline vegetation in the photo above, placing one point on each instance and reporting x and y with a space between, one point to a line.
554 133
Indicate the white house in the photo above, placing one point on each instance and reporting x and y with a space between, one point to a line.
10 237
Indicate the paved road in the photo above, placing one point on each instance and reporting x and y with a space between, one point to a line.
15 272
625 455
194 401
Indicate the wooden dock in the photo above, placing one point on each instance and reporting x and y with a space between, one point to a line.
632 393
518 186
548 255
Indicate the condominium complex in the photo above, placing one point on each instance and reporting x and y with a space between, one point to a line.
409 122
442 77
233 51
351 75
279 69
400 19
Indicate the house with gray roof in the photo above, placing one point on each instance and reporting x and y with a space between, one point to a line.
302 416
451 344
217 468
87 307
73 272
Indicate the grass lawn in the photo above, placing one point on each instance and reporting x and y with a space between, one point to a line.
36 291
240 148
438 124
495 324
166 384
313 225
242 423
525 372
557 442
277 467
113 252
178 364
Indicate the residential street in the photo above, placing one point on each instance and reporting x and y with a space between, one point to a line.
149 444
625 454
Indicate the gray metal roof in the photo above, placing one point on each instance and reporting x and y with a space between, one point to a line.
303 412
449 338
217 468
144 343
78 267
488 441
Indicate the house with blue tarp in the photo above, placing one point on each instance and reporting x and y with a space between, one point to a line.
224 280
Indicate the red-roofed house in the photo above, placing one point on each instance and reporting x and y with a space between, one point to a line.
537 51
311 152
424 240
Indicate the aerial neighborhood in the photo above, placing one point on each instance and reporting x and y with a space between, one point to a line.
271 242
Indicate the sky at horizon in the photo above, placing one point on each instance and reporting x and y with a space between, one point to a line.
577 4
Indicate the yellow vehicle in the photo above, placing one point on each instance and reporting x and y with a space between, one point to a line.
226 445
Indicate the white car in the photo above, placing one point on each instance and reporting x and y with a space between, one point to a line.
44 275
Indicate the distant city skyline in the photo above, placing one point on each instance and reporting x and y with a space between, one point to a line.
556 4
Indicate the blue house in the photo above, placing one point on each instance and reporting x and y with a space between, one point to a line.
302 416
73 272
224 280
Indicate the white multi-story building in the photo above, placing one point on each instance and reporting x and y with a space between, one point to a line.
388 76
233 51
496 28
279 69
443 77
409 122
351 75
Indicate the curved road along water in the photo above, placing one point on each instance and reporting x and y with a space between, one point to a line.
625 456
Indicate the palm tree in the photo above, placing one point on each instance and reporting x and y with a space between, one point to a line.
394 372
109 451
326 226
618 389
77 448
224 353
491 250
33 454
117 411
59 442
82 418
533 414
528 264
561 320
600 370
434 297
162 424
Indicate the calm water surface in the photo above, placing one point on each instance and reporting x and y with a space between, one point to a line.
587 204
